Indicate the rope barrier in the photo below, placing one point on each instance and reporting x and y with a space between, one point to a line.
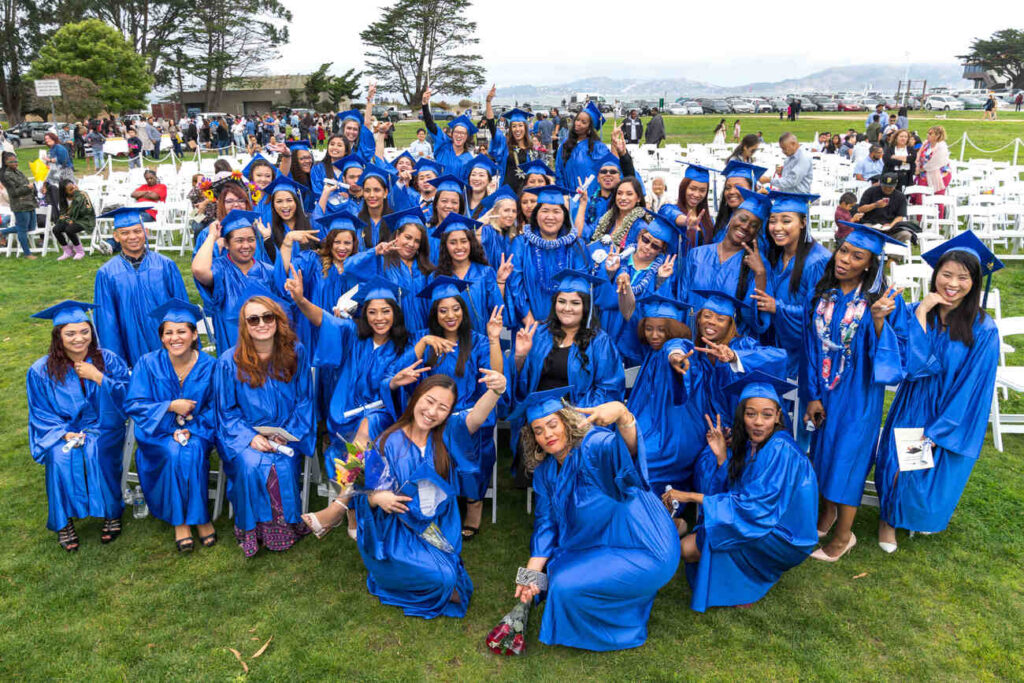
1015 141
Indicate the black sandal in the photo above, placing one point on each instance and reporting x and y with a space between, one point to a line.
209 541
185 545
473 531
111 530
68 539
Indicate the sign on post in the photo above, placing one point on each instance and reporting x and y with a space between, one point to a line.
48 88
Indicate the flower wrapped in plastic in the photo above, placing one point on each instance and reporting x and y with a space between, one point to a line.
350 471
509 636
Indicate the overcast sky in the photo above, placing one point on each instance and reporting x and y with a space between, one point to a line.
724 43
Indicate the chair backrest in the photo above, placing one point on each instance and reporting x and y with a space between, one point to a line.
1009 327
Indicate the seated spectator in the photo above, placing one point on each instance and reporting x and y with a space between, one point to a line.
150 191
844 212
420 148
884 206
861 148
871 166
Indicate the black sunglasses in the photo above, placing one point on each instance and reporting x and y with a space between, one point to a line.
608 171
254 320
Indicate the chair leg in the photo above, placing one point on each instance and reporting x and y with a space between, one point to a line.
997 432
529 500
306 475
494 493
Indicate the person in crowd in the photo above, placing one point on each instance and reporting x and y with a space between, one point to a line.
797 172
933 164
76 424
758 499
21 194
861 149
152 133
952 356
632 128
479 171
409 535
736 130
655 133
171 401
96 139
152 190
850 358
420 148
624 218
738 175
130 286
598 529
221 280
462 256
77 216
899 158
455 147
719 133
885 206
902 118
990 108
658 196
874 130
264 400
835 141
600 197
326 169
578 157
61 169
870 167
510 151
691 211
297 163
845 214
882 120
746 149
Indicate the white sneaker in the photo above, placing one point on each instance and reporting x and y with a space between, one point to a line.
889 548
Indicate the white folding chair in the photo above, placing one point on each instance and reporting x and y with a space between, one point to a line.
1011 378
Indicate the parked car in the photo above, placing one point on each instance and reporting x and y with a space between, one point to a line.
761 105
39 132
972 102
716 107
779 104
869 103
439 115
849 105
942 102
23 131
807 104
741 107
693 107
677 110
825 104
15 139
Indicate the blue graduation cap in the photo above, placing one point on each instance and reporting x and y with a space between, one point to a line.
609 160
454 222
283 183
405 155
596 117
67 311
536 167
791 202
448 183
756 203
442 287
967 242
465 122
177 311
481 161
550 194
342 219
658 306
662 227
127 216
351 115
697 173
374 171
540 404
741 169
236 219
425 164
577 281
257 158
378 288
397 219
759 384
296 145
351 161
721 303
517 115
503 192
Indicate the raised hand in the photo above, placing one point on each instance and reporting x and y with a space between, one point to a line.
493 380
666 269
293 285
623 285
680 361
886 304
718 351
505 269
765 302
440 345
408 375
716 438
495 324
694 222
524 339
371 92
303 236
426 96
753 258
611 264
605 414
385 247
492 92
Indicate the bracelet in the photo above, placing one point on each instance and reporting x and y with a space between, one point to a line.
497 393
631 424
501 282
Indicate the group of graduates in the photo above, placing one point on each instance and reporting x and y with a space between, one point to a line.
714 312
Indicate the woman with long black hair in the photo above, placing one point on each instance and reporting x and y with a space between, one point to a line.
578 156
512 149
737 175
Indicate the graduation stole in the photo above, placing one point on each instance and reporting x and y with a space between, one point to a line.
847 331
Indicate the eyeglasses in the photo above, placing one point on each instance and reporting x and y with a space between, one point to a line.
266 318
608 171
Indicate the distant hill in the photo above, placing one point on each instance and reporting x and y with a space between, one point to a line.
881 77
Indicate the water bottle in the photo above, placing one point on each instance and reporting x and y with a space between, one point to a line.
139 508
675 503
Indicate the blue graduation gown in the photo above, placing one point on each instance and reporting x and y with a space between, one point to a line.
222 300
240 409
608 299
842 448
792 309
716 376
582 163
86 481
532 282
125 296
445 155
610 546
174 478
358 375
948 392
404 569
753 529
308 198
260 254
308 263
366 265
495 245
703 269
482 295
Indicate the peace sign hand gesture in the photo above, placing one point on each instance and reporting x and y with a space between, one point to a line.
886 304
293 285
765 302
495 324
385 247
524 339
505 269
680 361
408 375
753 258
716 438
611 264
695 221
717 351
493 380
666 269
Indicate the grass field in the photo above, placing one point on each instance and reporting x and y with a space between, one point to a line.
943 607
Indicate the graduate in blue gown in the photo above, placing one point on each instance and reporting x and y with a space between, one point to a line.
171 400
234 195
402 193
757 510
568 349
510 151
478 172
577 158
691 214
599 531
375 207
409 521
854 346
619 214
547 246
462 257
952 356
297 165
737 175
454 147
284 196
131 285
449 197
404 261
222 280
76 424
261 173
500 210
333 195
354 125
265 381
323 269
733 265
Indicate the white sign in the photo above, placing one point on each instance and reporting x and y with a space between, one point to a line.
48 88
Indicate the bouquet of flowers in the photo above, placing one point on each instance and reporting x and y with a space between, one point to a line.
509 636
350 471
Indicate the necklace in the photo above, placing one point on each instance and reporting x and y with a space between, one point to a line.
847 331
182 374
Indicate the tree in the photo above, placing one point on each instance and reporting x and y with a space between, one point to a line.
93 50
23 28
1003 53
321 86
79 99
419 43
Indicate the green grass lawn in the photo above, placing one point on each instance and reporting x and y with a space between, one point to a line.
944 607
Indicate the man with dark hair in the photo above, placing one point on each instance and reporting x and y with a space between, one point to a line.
632 128
884 206
874 130
871 166
878 115
655 128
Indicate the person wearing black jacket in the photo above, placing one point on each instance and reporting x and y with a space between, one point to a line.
632 128
899 158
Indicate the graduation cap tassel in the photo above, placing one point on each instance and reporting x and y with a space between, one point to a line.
877 284
590 308
988 285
